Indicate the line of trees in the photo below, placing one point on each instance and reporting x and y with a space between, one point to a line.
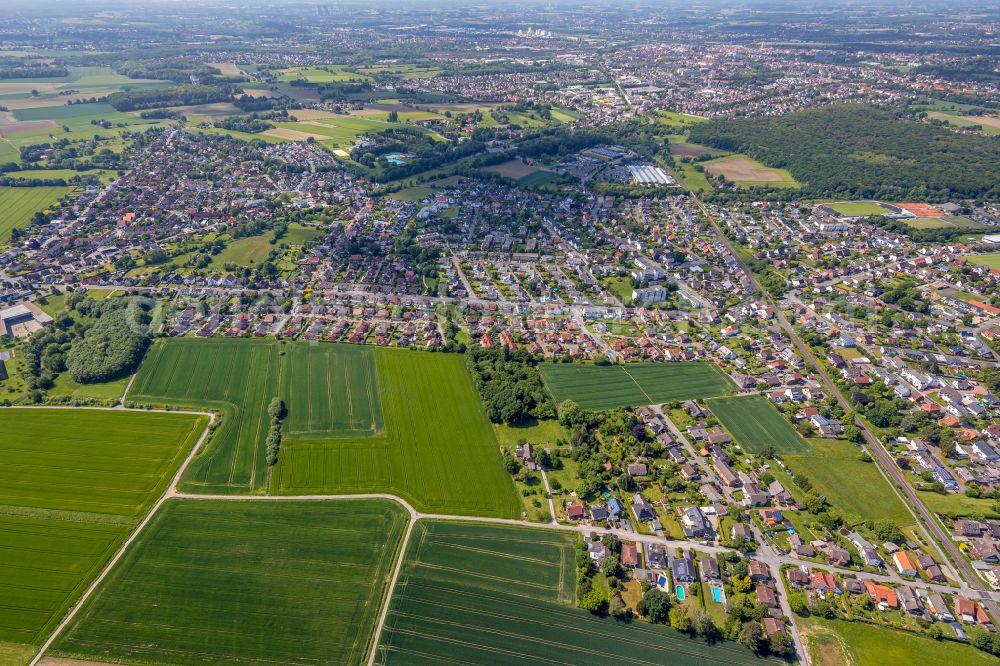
39 72
276 410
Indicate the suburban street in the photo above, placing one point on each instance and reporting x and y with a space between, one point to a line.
927 521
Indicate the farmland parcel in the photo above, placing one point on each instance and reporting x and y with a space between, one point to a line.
836 643
256 582
235 377
606 387
754 423
438 450
503 595
359 420
19 204
74 483
857 488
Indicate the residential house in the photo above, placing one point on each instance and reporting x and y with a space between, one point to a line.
682 569
881 595
904 564
758 571
644 511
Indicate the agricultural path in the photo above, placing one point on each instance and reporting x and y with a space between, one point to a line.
136 532
773 560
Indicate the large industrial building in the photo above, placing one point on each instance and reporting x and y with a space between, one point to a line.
21 320
650 175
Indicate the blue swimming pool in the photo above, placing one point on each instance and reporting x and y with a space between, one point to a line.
680 592
717 595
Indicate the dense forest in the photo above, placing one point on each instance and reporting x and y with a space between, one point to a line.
250 125
178 70
509 384
851 151
981 69
35 72
108 350
137 100
92 340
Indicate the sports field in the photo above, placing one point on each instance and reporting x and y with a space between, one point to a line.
438 450
73 484
244 582
988 260
484 594
754 423
606 387
858 208
236 377
19 204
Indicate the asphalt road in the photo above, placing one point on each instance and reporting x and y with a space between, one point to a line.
959 564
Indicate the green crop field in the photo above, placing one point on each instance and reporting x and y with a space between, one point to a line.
478 594
858 208
754 423
238 378
333 390
73 484
677 121
342 131
538 179
359 420
92 460
65 111
92 81
438 450
320 74
212 581
566 115
857 489
606 387
19 204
